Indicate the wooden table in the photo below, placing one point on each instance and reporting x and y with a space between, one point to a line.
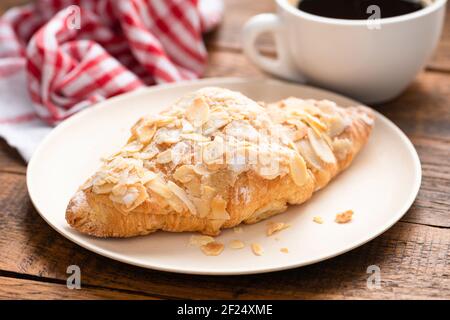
414 255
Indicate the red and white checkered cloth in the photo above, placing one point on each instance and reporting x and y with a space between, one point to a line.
60 56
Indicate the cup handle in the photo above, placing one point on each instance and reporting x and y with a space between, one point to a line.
283 65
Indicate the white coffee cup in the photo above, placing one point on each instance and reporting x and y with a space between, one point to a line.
370 60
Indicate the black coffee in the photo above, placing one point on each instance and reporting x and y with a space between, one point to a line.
357 9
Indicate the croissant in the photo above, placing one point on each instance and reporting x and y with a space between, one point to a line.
216 159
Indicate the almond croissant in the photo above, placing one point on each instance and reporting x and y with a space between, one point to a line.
217 159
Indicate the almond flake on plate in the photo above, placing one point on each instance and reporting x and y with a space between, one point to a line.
199 240
212 248
237 244
257 249
238 230
284 250
344 217
318 219
273 227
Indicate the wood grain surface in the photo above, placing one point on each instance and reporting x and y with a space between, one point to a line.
414 255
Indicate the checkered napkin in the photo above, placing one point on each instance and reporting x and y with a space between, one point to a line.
60 56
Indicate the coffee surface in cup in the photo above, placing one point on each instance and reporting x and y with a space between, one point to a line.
358 9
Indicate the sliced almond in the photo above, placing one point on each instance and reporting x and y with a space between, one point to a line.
134 196
284 250
344 217
216 224
257 249
87 184
181 153
103 188
119 189
194 137
201 169
176 204
336 125
167 136
133 146
163 120
182 195
217 120
193 187
218 208
238 230
160 188
200 240
301 129
208 192
318 219
148 176
203 206
298 170
213 151
130 196
318 126
149 152
273 227
164 157
320 147
368 119
198 112
342 147
237 244
184 173
212 248
187 126
306 151
145 133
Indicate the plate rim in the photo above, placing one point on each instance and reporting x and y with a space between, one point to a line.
217 81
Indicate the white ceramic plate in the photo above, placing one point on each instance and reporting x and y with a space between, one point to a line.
380 186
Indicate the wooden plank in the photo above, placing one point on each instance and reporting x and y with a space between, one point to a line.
433 202
13 288
230 64
441 58
424 108
10 160
414 261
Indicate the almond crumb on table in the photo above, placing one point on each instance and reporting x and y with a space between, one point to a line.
273 227
344 217
212 248
257 249
318 219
